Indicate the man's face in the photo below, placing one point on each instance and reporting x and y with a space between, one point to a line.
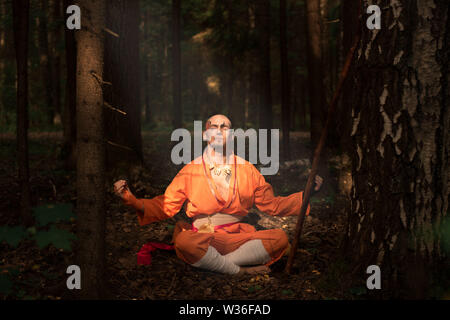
217 131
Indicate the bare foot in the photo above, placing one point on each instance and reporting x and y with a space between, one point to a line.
254 270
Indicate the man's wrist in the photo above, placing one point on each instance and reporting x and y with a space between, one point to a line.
130 200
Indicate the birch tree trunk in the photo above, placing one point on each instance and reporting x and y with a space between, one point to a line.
400 139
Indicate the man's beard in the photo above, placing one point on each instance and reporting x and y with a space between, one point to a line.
220 150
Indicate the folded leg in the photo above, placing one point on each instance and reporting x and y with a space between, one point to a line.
191 246
250 253
272 242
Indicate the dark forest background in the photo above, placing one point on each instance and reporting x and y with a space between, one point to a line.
81 109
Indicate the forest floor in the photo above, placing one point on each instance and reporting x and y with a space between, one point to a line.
32 270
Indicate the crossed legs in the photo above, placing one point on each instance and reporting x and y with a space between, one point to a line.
230 249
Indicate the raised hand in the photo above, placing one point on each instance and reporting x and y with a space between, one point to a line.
120 187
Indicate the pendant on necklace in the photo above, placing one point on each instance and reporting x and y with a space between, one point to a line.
227 171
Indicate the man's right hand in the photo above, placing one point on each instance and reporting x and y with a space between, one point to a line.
120 187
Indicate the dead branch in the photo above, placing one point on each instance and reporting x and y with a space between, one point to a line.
119 146
112 108
111 32
99 79
332 21
318 150
53 187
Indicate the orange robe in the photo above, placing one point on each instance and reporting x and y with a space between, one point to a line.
191 188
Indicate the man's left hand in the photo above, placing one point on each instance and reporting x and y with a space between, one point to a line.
318 183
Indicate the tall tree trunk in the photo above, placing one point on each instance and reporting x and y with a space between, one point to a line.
8 85
253 70
177 116
254 98
327 72
2 63
229 88
285 83
159 63
45 62
91 150
69 112
146 66
122 70
315 85
21 10
57 21
298 41
325 48
265 112
401 142
349 16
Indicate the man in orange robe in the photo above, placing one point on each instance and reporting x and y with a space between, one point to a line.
217 196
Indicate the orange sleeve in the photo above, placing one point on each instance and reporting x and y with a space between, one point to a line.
267 202
163 206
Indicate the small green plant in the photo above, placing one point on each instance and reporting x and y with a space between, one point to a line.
252 289
6 284
333 280
52 213
12 235
358 291
45 232
60 239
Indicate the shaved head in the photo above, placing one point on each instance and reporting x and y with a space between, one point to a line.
218 119
217 131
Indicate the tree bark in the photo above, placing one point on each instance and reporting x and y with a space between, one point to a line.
298 39
122 90
91 150
177 117
21 10
8 74
325 49
400 141
314 56
349 16
146 67
253 70
55 36
285 81
45 62
2 63
265 112
69 112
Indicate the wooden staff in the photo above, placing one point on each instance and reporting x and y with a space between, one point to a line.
318 151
